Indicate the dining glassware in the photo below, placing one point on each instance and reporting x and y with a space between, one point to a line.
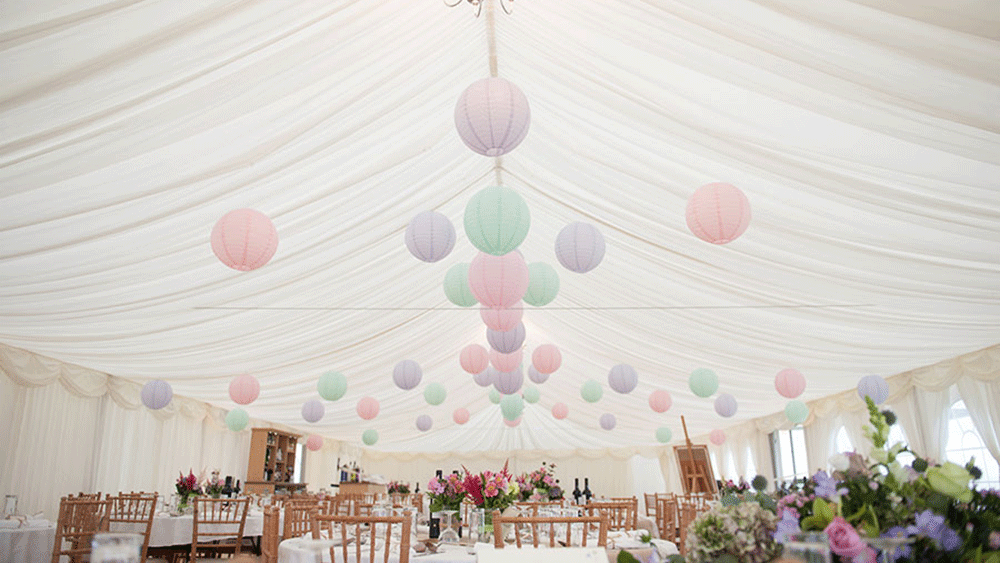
808 547
116 548
10 505
477 519
448 533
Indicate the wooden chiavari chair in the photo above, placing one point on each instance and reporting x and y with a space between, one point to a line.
133 512
271 536
667 517
540 524
620 514
79 519
531 508
218 525
687 512
300 519
351 529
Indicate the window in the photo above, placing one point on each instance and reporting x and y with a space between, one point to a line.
300 461
896 435
843 441
788 454
964 443
751 465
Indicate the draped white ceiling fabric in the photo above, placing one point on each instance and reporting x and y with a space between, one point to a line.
865 134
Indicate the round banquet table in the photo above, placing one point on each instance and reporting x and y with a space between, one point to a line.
170 530
30 543
296 550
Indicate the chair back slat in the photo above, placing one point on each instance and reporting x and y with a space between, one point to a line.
135 509
271 535
553 525
300 519
218 525
351 530
79 519
621 513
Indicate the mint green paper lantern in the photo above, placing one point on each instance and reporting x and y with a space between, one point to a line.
511 406
796 411
543 284
703 382
332 385
369 437
456 286
591 391
494 396
237 419
531 394
664 435
435 394
496 220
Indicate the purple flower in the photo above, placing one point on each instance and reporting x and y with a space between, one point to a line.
826 486
930 525
950 540
788 525
899 552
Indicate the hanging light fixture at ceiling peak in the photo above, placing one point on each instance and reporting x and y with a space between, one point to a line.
479 4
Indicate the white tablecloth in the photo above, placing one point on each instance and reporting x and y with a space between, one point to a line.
295 551
29 544
176 530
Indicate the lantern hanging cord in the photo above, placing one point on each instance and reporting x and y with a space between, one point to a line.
491 37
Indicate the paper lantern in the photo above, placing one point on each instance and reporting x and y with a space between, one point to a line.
559 411
536 376
486 377
501 318
407 374
494 396
512 423
498 281
591 391
367 408
664 435
314 442
244 389
509 382
531 394
506 342
435 394
237 419
332 385
424 423
492 116
789 383
725 405
717 437
461 415
703 382
622 378
474 358
875 387
718 213
496 220
660 401
456 286
430 236
580 247
511 406
796 411
543 284
506 362
369 437
156 394
546 359
608 421
313 410
244 239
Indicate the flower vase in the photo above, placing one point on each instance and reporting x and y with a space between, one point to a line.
886 547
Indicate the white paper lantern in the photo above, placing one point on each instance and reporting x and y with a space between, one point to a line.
492 116
430 236
506 342
580 247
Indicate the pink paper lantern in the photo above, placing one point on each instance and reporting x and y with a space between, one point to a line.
244 239
509 382
502 318
492 116
244 389
505 362
498 281
474 358
622 378
660 401
560 411
718 213
717 437
313 410
789 383
314 443
367 408
424 423
512 423
546 358
407 374
537 376
725 405
461 415
430 236
506 342
608 421
486 377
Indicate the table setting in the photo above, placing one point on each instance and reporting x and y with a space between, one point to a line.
26 539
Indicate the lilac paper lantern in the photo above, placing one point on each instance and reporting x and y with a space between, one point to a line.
546 358
505 362
725 405
580 247
156 394
622 378
314 443
474 358
560 411
875 387
367 408
789 383
718 213
536 376
492 116
244 389
498 281
461 415
506 342
717 437
502 319
509 382
424 423
313 411
407 374
608 421
486 377
660 401
244 239
430 236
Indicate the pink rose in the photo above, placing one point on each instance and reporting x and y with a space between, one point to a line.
844 539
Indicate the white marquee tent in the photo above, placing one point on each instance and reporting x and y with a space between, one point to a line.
865 134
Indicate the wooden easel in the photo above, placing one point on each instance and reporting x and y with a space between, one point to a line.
696 471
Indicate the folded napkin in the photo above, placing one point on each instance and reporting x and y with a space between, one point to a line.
8 524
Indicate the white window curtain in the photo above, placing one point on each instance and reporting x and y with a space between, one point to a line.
923 415
819 442
982 399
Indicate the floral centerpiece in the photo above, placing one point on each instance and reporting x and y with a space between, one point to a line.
398 487
741 532
540 485
491 491
445 493
731 488
186 486
213 485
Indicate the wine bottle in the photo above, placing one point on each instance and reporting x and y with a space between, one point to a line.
236 489
437 473
586 489
227 489
576 490
417 488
